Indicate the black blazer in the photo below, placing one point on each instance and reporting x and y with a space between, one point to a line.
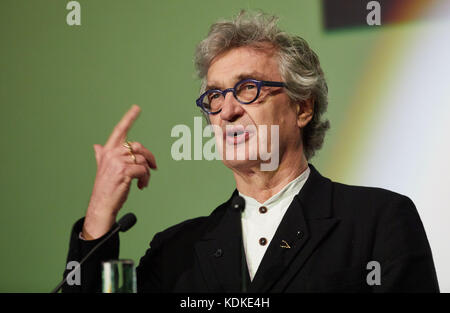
333 231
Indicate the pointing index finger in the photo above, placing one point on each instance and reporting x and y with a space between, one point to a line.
120 131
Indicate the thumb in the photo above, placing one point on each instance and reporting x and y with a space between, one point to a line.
98 150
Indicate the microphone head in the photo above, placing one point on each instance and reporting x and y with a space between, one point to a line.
127 221
238 203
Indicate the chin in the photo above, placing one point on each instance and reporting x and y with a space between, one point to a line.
241 164
240 156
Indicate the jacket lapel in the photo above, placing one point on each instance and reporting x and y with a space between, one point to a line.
306 223
219 252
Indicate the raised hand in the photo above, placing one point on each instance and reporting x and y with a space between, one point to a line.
116 168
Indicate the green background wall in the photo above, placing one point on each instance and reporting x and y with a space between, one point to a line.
63 88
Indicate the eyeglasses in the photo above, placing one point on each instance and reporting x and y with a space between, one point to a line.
245 91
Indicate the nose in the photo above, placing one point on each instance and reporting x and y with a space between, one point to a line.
231 108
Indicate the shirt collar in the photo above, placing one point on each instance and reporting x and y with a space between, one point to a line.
290 190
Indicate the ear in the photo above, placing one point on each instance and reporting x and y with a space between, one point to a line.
305 112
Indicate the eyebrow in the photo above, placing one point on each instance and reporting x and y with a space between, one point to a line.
254 75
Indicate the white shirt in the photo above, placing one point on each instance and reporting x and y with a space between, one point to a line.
261 224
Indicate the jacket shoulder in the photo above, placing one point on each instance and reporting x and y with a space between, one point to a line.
366 193
375 208
372 201
389 216
192 229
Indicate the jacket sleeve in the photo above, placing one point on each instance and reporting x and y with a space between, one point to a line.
90 271
402 250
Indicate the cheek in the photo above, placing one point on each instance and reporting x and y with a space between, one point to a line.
282 117
214 120
286 119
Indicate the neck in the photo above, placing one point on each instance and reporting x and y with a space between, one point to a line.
262 185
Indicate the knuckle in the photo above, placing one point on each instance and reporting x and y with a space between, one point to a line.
127 180
138 146
141 159
142 170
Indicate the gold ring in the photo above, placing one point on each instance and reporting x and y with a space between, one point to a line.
133 157
127 145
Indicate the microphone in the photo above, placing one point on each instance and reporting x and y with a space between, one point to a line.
125 223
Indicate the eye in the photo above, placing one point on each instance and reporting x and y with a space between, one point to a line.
213 96
247 86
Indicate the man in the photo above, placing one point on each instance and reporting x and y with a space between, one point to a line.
287 229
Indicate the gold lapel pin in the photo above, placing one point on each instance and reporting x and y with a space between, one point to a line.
285 244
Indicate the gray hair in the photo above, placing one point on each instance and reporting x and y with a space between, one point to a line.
298 64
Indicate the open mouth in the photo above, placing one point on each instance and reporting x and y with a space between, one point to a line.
236 135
